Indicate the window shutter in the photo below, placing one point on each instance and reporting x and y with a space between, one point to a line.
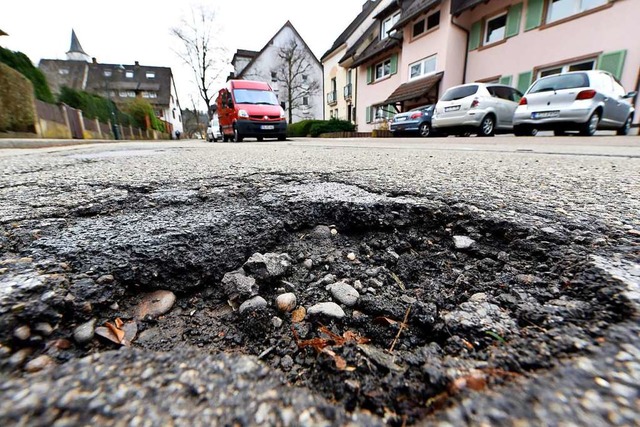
394 64
505 80
513 20
612 62
524 81
535 10
474 35
369 74
368 114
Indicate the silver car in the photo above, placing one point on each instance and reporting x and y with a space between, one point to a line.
480 108
582 101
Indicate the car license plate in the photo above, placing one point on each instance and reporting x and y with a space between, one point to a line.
452 108
267 127
400 119
545 114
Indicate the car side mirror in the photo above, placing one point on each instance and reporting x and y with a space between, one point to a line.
630 95
230 104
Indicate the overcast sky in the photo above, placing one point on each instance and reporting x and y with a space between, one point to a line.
125 31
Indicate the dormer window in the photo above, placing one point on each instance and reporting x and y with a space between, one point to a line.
387 24
151 74
129 74
107 73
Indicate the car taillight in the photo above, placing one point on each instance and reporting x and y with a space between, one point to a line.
475 103
586 94
416 115
523 101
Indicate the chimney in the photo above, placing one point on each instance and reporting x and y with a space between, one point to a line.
137 64
94 60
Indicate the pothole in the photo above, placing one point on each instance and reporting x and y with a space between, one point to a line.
389 307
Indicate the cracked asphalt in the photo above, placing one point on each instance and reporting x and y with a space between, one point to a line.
119 209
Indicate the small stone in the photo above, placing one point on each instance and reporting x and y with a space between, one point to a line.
351 256
115 306
85 332
18 358
103 280
238 286
357 285
253 304
463 242
308 264
286 302
329 309
503 256
286 362
276 322
344 293
22 333
334 232
298 315
155 304
548 230
602 382
634 232
43 329
39 363
268 266
321 232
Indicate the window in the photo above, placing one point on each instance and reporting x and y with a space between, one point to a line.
305 100
129 74
304 77
387 24
495 29
63 71
503 92
107 73
418 28
127 94
151 74
383 69
422 67
274 76
560 9
433 20
149 95
584 65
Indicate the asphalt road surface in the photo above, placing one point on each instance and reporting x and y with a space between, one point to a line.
496 281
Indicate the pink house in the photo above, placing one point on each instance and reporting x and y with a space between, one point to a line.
416 49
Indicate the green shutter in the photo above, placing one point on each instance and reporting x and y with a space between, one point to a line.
475 35
394 64
613 62
505 80
535 10
513 20
368 114
524 81
369 74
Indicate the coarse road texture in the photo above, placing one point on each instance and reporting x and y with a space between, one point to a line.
457 281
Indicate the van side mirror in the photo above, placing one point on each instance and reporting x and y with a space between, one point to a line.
230 103
283 105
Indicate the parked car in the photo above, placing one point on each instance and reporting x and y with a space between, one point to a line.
416 120
480 108
213 131
250 109
583 101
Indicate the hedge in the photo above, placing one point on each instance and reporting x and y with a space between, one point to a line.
16 101
302 128
92 106
21 63
333 125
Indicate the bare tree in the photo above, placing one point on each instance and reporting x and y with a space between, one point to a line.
294 75
201 51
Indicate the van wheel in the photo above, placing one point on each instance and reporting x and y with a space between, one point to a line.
260 139
236 135
282 138
487 126
624 130
590 128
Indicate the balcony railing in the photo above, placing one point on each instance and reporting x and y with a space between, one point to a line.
332 97
348 91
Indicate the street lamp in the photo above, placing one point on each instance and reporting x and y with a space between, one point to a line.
114 121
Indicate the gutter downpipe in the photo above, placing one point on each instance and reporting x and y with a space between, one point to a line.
466 48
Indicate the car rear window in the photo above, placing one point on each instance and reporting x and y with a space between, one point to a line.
459 92
559 82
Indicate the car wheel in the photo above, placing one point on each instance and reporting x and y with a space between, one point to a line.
425 130
282 138
260 139
590 128
487 126
624 130
236 135
214 139
524 131
559 133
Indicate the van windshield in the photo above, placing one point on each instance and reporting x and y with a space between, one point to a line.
252 96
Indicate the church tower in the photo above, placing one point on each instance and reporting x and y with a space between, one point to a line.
75 51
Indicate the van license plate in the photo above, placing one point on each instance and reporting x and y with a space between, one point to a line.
452 108
267 127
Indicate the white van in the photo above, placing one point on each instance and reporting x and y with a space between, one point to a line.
213 131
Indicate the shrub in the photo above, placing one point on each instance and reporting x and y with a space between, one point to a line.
16 101
92 106
333 125
139 110
21 63
301 128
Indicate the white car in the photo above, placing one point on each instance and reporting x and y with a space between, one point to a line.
213 131
583 101
480 108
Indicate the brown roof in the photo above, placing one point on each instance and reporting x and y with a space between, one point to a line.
414 89
459 6
2 33
367 8
412 9
378 47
